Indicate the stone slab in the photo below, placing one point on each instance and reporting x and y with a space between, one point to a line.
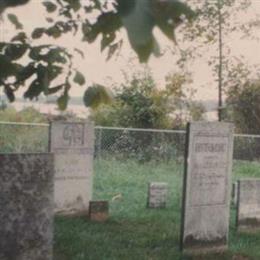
99 210
157 194
248 211
73 147
206 189
26 206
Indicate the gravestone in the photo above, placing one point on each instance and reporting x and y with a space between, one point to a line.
99 210
206 187
73 147
248 211
157 195
26 206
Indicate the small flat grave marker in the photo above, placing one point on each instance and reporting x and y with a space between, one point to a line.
157 195
26 206
99 210
73 147
206 189
248 212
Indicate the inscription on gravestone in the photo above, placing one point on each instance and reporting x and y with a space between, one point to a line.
26 206
248 212
205 214
73 146
157 195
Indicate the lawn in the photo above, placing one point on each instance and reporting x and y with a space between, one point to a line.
135 232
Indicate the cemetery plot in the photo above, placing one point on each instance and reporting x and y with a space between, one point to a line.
248 212
157 195
206 192
73 148
26 202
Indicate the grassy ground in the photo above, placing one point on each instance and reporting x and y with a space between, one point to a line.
135 232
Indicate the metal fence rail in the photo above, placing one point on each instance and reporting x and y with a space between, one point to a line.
120 143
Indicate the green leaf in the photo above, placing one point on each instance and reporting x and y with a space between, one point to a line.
9 93
139 24
79 78
20 37
80 52
74 4
52 56
113 48
15 51
43 77
62 101
50 7
26 72
53 90
7 68
97 95
140 17
34 90
54 71
54 32
14 20
38 32
107 39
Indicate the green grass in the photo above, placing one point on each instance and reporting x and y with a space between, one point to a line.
135 232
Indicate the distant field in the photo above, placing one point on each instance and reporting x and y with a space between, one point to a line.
134 232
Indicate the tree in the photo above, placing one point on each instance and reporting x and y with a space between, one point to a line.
46 62
243 106
216 23
138 103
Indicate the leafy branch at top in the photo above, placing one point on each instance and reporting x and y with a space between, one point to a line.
47 63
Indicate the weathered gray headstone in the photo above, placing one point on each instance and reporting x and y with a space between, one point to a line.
73 147
248 211
26 206
206 190
157 194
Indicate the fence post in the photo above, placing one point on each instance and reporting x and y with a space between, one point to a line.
99 143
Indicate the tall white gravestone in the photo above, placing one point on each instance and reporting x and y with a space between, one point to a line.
73 147
206 191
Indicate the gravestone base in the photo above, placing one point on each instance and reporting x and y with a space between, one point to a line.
71 214
197 247
202 250
250 226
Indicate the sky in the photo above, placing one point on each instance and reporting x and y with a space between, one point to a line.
97 70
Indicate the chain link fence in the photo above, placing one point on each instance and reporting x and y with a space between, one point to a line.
139 144
120 143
